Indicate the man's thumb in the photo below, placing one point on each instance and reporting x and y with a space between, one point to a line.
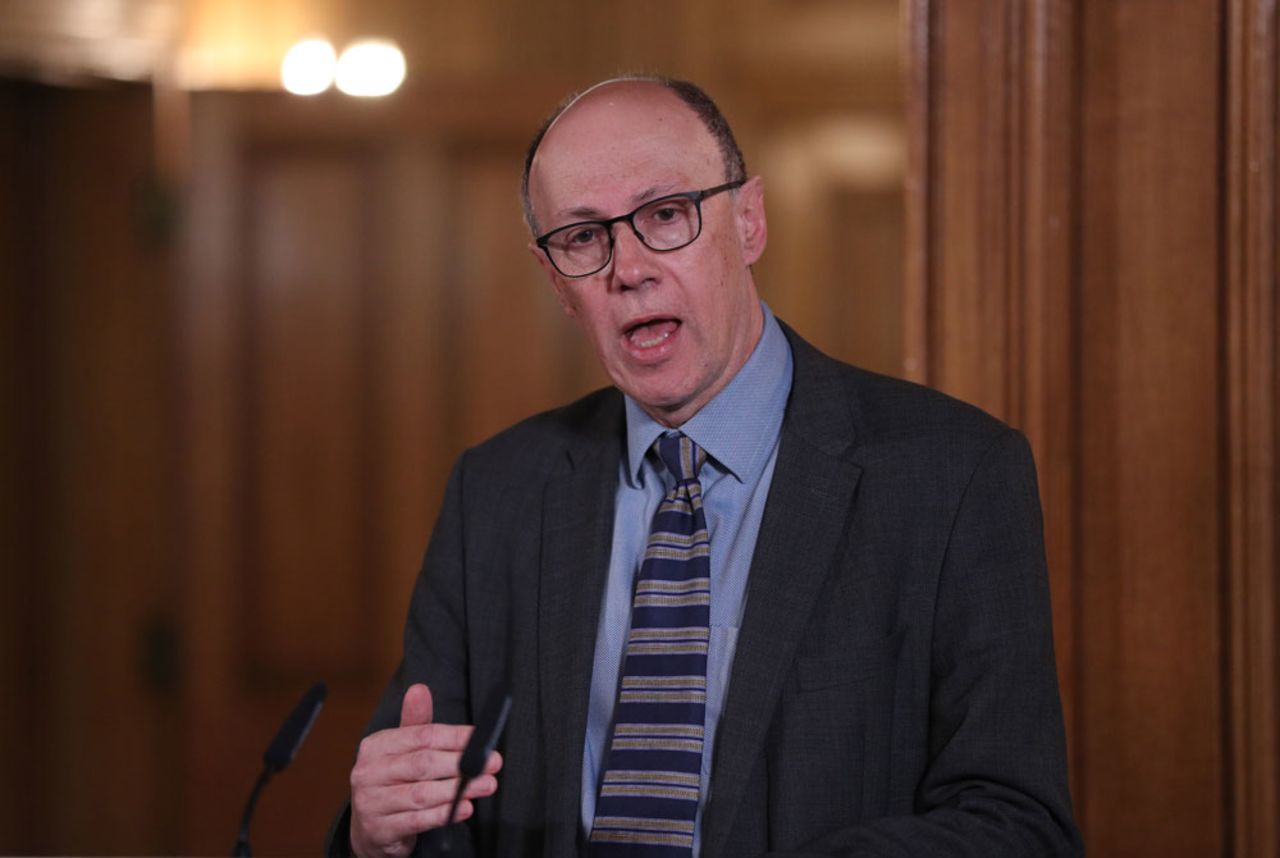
416 708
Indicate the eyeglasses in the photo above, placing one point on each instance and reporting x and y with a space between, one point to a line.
667 223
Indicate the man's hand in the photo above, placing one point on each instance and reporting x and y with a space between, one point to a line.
404 780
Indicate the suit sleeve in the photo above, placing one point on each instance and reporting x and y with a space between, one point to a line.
435 653
995 782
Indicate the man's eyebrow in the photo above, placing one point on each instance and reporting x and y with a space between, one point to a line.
650 193
639 199
583 213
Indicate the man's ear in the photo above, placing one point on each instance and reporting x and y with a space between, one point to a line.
753 229
557 282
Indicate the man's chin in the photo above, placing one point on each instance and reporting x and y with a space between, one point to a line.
668 409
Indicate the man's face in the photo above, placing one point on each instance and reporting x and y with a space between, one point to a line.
670 328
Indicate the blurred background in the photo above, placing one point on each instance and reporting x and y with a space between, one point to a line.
244 333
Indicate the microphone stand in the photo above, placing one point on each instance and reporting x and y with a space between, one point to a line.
283 748
242 842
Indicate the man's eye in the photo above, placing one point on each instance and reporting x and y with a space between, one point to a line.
666 214
582 235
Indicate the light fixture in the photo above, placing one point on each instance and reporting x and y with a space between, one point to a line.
370 67
308 68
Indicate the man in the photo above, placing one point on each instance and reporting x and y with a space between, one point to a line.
835 639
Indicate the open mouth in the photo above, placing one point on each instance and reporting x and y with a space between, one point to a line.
651 333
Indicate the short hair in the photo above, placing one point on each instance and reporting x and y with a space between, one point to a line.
735 166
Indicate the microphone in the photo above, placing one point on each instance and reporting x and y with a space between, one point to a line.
489 727
280 753
488 730
284 747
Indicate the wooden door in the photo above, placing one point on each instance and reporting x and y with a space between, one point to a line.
88 521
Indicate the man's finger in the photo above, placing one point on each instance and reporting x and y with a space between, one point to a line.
485 785
417 795
416 708
404 740
413 822
424 765
425 795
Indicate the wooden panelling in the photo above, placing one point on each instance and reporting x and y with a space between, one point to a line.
1150 490
1092 232
310 492
988 295
863 320
219 761
1045 345
817 35
289 547
919 186
970 114
94 423
25 490
408 354
113 427
508 333
833 267
1252 379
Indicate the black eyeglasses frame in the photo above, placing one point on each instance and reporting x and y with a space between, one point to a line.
629 219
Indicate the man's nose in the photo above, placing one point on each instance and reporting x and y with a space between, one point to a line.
633 263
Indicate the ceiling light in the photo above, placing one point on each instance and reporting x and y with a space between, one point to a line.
371 68
308 68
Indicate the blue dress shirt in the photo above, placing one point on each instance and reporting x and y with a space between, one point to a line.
739 429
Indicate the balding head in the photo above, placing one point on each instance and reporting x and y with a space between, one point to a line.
694 99
620 126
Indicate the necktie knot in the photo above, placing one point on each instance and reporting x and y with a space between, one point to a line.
682 457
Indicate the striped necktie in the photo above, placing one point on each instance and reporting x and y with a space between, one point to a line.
649 794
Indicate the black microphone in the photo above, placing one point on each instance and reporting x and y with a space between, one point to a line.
488 730
280 753
489 727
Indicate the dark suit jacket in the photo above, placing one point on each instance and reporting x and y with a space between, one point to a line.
893 690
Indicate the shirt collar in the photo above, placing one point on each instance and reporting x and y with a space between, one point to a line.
739 426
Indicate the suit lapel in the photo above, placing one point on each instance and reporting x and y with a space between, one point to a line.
577 533
804 522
